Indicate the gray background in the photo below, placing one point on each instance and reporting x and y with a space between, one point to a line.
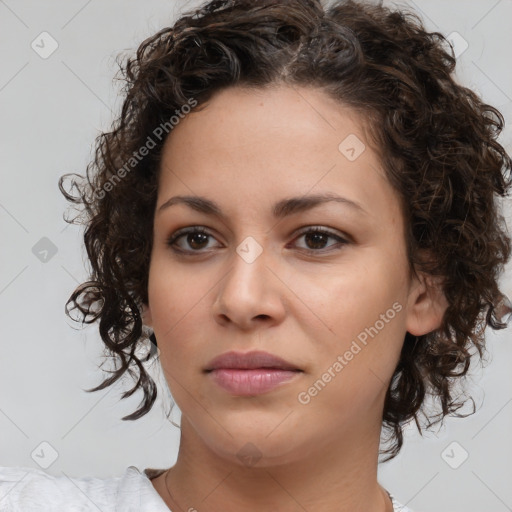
52 109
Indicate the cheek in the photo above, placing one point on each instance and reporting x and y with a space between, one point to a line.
174 291
178 306
356 360
353 295
361 310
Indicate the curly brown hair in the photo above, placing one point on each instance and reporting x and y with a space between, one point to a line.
437 141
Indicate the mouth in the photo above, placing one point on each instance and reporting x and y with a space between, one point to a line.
250 374
255 360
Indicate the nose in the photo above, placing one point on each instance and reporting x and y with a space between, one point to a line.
251 292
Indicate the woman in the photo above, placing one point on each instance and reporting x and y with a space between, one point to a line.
251 135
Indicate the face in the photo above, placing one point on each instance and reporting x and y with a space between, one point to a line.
324 286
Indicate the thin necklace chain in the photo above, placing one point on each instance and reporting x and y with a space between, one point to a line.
172 497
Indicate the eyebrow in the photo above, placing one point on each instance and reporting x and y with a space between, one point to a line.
280 210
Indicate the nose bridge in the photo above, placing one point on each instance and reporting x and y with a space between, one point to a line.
249 288
248 271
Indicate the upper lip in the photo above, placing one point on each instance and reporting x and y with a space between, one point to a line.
249 360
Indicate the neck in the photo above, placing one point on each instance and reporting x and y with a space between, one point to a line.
338 476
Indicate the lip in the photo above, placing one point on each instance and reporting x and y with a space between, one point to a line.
251 382
249 361
250 373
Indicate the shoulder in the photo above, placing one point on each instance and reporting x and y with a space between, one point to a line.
31 489
34 490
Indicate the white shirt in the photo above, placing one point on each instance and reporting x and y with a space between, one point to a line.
24 489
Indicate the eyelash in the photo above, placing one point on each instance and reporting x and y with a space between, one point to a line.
172 239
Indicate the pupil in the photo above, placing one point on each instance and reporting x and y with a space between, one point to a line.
195 236
317 238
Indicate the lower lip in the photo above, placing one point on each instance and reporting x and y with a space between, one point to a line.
251 382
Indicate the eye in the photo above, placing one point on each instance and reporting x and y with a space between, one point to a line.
316 238
196 237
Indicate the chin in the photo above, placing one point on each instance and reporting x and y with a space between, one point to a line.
259 445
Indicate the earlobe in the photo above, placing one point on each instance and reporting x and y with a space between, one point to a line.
426 305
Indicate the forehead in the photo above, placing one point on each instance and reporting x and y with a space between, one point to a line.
248 144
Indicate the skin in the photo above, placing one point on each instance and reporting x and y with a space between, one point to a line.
247 150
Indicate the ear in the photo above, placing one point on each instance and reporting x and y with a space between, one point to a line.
146 315
426 304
